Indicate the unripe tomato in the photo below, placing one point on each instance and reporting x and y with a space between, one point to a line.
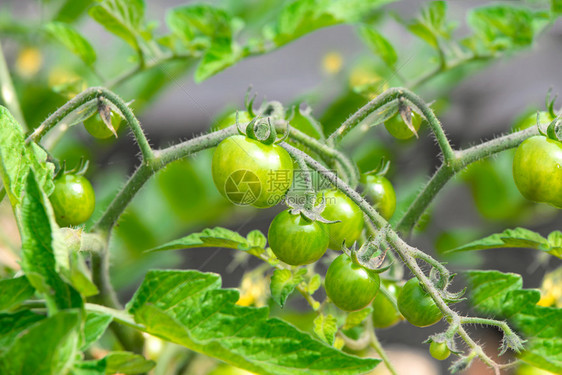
537 170
381 194
97 128
340 207
297 240
417 306
73 200
439 350
246 171
385 313
350 286
398 128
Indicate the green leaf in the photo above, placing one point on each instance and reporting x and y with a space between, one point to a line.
209 28
303 120
16 158
502 27
500 295
556 6
283 283
94 327
14 291
124 18
518 237
190 309
36 224
12 324
355 318
44 348
326 327
300 17
215 237
314 283
379 45
432 25
72 40
115 362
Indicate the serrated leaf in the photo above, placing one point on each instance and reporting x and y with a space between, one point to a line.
72 40
501 27
47 347
355 318
124 18
214 237
94 328
14 291
283 283
326 327
517 238
115 362
12 324
256 239
209 28
500 295
190 309
36 222
314 283
304 16
16 158
379 45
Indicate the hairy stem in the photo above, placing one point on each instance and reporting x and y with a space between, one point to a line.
376 345
387 97
445 172
88 96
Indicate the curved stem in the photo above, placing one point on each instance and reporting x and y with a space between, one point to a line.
446 172
387 97
375 344
88 96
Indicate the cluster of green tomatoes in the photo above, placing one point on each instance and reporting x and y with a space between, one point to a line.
297 239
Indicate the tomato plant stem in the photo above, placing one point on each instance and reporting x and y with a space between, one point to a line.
376 345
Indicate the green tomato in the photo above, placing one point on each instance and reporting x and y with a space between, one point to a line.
385 313
225 122
350 286
417 306
439 350
381 194
246 171
340 207
97 128
398 128
297 240
537 170
73 200
545 118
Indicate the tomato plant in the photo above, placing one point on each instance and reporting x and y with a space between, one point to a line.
297 240
537 170
349 285
340 207
417 306
73 200
277 302
243 171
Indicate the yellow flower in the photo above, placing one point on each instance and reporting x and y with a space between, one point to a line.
332 62
28 62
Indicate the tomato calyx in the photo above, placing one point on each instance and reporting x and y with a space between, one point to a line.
80 169
369 256
406 113
380 170
310 212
